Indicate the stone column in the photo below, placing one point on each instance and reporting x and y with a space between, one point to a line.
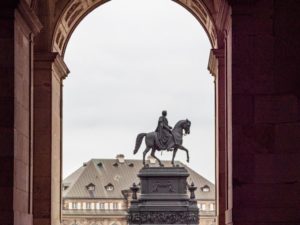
18 25
216 66
50 70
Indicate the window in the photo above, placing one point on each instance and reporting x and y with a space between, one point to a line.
102 205
74 205
109 187
203 206
115 205
205 188
90 187
211 207
88 205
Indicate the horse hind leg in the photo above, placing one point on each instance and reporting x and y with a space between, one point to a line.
144 154
153 155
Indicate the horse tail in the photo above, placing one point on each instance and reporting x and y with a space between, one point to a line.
138 142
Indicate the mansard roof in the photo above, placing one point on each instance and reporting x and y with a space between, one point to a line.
111 177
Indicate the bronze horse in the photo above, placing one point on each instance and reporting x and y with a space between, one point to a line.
174 143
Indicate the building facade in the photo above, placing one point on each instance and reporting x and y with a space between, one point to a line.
98 192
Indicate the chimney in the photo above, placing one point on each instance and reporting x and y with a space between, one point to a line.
151 159
120 158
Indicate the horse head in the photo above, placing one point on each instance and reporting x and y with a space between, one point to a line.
184 125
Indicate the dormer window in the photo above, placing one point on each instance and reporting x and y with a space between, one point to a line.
115 164
131 165
90 187
99 164
205 188
66 187
109 187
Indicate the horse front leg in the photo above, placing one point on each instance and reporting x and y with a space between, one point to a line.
187 152
153 155
144 154
174 154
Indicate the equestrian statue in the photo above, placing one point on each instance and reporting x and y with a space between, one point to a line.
164 138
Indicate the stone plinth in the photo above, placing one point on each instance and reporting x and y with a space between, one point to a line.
163 198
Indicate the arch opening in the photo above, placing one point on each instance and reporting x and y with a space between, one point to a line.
149 60
173 121
70 13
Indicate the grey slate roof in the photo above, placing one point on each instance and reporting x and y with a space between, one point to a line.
121 176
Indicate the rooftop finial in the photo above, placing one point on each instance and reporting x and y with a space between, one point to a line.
120 158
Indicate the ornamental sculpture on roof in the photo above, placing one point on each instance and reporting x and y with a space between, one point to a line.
164 138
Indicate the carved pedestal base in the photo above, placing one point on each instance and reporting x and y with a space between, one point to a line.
163 198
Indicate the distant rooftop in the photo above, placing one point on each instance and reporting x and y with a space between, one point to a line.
107 178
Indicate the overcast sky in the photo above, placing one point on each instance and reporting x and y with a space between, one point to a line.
130 60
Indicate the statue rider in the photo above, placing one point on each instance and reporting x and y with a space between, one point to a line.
163 130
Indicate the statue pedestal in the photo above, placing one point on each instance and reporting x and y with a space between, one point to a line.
163 198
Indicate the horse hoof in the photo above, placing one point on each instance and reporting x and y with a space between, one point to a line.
188 160
146 165
162 165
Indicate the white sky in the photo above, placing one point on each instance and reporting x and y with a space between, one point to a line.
130 60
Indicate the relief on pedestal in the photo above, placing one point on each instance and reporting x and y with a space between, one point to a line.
163 218
163 187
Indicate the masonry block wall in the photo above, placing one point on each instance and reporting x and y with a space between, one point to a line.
6 116
265 112
18 26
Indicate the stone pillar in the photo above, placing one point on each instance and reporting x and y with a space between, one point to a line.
50 70
216 66
18 26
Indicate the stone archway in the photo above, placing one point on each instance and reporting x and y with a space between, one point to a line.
256 65
50 70
72 12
